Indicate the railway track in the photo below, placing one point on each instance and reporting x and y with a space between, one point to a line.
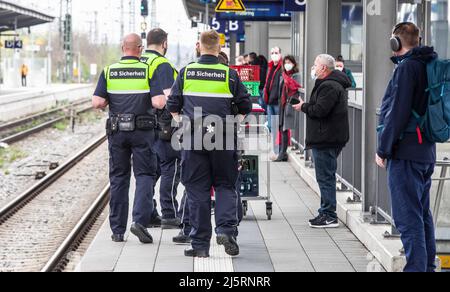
12 132
54 254
60 258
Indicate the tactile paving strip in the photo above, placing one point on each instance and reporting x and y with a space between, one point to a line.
218 262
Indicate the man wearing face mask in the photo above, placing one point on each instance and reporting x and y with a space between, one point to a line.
327 132
272 95
409 158
162 76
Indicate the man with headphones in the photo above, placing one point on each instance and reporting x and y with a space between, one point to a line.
409 158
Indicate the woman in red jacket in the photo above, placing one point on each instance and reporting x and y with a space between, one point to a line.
289 89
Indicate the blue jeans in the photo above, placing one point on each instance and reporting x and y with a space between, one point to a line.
325 161
261 100
410 184
273 113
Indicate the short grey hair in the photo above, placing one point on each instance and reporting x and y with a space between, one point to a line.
328 61
276 48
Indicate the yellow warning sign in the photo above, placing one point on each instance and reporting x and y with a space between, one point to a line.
230 6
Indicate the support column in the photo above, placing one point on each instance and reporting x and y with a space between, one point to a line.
379 19
315 44
298 40
233 42
334 27
257 38
426 29
316 37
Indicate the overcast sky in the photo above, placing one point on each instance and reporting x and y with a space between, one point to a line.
170 15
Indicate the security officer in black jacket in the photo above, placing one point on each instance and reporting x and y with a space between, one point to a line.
207 93
163 75
125 87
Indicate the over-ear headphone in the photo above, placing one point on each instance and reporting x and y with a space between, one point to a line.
396 42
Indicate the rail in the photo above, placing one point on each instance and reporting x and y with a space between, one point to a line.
26 197
15 137
59 259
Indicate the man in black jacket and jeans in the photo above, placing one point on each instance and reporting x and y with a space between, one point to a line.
327 132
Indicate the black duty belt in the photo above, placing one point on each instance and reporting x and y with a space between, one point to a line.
130 123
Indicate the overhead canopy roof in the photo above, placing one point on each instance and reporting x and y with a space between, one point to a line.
25 17
194 7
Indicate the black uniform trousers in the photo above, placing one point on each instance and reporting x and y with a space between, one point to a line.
131 149
184 215
201 171
170 168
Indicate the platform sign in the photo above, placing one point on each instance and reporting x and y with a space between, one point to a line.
258 11
13 44
294 5
228 26
240 38
230 6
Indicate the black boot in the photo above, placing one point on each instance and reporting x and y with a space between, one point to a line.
155 223
182 238
196 253
141 232
118 238
174 223
230 244
282 158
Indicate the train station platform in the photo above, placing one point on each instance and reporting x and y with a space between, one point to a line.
19 102
284 244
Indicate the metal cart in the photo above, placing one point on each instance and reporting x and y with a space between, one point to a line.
255 168
252 186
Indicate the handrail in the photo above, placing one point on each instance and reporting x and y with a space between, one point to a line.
445 164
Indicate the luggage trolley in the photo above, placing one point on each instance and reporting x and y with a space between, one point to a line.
252 171
255 168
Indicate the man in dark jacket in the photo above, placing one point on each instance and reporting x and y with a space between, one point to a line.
327 132
409 158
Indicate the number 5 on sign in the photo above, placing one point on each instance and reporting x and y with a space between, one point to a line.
230 6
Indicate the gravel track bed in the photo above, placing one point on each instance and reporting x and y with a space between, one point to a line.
35 153
31 236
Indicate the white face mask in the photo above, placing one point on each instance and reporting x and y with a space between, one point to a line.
289 67
313 74
275 58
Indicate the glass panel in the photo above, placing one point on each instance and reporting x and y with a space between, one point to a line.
408 13
440 27
352 31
